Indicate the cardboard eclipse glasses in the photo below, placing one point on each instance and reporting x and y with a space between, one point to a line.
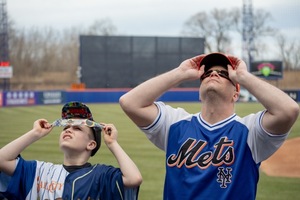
76 122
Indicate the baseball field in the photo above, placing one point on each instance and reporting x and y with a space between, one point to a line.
15 121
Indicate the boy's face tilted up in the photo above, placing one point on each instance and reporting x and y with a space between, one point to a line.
77 138
80 133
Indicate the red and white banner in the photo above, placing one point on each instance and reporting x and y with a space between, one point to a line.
6 72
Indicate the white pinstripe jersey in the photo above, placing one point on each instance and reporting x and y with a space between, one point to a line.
43 180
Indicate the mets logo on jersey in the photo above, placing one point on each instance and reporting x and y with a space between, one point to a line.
191 155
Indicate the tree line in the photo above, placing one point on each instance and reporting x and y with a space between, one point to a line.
36 51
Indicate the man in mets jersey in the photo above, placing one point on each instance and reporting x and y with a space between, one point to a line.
76 178
212 154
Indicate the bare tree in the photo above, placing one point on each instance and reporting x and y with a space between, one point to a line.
219 26
216 27
102 27
261 31
47 56
34 50
289 52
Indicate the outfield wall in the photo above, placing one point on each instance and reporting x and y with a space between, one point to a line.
27 98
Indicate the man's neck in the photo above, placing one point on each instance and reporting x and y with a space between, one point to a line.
214 113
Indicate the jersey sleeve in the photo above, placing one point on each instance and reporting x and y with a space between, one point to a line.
22 180
158 131
4 181
261 143
131 193
112 181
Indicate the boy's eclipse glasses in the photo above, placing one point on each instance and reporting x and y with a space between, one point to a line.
76 122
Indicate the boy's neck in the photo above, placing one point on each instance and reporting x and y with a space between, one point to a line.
71 168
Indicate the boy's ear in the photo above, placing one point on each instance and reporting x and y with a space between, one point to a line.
91 145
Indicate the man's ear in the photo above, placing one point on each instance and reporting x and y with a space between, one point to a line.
236 96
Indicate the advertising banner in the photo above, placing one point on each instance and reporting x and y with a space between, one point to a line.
19 98
51 97
267 69
6 72
294 94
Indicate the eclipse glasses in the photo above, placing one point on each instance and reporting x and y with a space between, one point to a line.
221 73
76 122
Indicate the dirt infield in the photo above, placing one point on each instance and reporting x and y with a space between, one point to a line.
285 162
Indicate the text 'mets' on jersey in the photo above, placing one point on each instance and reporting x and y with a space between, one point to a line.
211 161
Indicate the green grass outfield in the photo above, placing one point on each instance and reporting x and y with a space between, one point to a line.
15 121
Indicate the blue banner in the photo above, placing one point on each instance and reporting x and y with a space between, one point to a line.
19 98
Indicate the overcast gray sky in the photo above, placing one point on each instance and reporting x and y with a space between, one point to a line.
141 17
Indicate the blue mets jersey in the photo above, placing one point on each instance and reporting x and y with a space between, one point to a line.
211 161
42 180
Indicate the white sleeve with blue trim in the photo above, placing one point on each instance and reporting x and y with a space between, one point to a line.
261 143
157 132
